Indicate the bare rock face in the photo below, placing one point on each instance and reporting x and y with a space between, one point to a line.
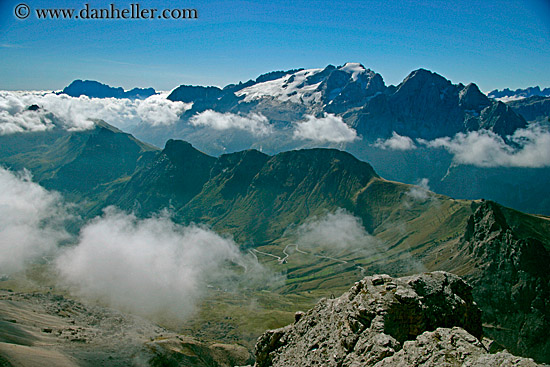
450 347
428 319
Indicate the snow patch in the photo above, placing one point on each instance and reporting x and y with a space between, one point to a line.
287 88
354 68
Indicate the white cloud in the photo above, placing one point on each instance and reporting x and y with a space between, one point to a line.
396 142
156 110
153 266
75 113
31 221
338 230
510 98
329 128
528 147
421 191
255 123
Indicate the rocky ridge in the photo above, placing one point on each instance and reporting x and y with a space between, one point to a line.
510 95
428 319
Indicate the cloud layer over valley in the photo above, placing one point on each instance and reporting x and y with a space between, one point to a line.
31 221
329 128
396 142
75 113
339 230
528 147
256 124
152 267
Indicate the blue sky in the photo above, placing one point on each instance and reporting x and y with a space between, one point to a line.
494 43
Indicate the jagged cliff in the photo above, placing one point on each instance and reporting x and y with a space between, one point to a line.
511 279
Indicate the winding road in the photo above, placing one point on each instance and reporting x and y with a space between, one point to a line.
283 260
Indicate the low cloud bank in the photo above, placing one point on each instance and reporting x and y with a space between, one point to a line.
528 147
31 221
256 124
151 267
75 113
330 128
148 266
341 233
421 191
339 230
396 142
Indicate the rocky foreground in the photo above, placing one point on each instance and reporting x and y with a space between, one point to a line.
428 319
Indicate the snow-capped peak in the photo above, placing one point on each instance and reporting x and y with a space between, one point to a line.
304 86
353 68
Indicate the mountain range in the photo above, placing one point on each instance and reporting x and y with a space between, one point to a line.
425 105
95 89
266 202
511 95
395 128
424 320
321 177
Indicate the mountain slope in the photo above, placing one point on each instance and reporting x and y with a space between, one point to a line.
426 105
83 165
535 109
264 202
285 190
171 179
106 155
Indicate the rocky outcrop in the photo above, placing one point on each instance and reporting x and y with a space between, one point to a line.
422 320
471 98
426 105
450 347
501 119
